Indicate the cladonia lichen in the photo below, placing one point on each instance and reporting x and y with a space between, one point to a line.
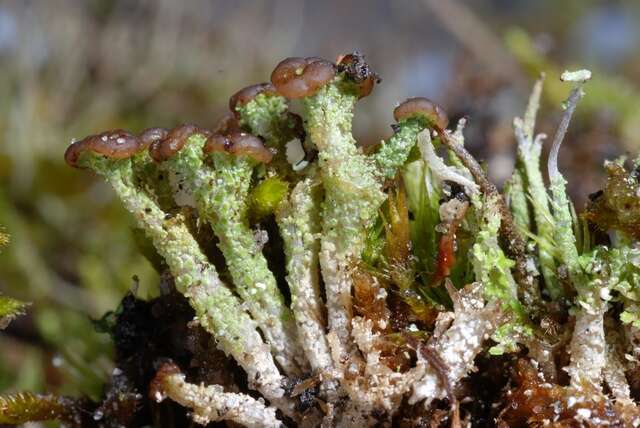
356 287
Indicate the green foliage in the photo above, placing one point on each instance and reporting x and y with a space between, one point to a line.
374 243
493 269
423 197
394 153
9 309
614 274
266 197
27 407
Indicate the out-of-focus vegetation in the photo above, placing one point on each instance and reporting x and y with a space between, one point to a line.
72 68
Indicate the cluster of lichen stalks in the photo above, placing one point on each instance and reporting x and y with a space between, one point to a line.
402 267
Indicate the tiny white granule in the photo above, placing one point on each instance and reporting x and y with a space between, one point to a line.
584 413
57 361
576 76
261 237
294 152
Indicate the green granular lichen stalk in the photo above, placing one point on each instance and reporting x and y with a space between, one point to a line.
217 309
221 194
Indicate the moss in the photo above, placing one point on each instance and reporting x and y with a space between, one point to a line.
9 309
267 196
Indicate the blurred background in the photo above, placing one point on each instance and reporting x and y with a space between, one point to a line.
69 68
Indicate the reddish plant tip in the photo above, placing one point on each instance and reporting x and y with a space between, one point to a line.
355 68
245 95
174 141
296 78
422 107
239 144
116 144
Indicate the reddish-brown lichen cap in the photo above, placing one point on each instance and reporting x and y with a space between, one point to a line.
116 144
245 95
151 135
355 68
239 144
296 78
216 143
161 150
422 107
227 124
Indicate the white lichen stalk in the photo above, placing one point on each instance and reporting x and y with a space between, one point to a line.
352 197
299 223
211 404
440 170
587 346
474 322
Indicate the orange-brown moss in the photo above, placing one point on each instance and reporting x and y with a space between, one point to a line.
618 205
534 402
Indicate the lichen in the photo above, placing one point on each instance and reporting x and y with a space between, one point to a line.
363 287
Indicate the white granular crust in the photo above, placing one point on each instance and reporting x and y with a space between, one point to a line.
299 226
440 170
379 387
587 348
338 283
614 370
211 403
459 345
